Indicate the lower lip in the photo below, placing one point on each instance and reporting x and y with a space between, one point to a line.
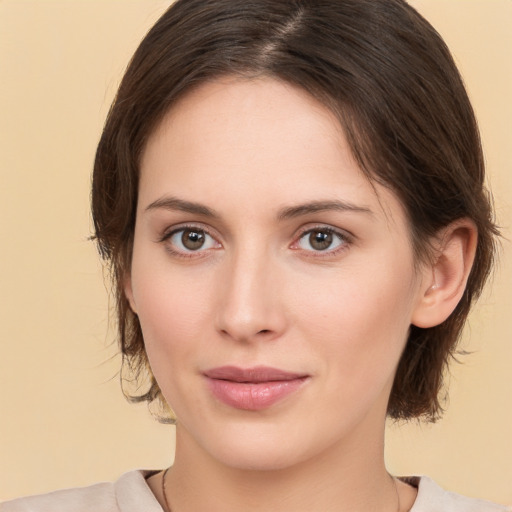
253 396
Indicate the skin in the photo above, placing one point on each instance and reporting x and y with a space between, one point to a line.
259 292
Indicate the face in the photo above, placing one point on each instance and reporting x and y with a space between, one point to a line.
274 284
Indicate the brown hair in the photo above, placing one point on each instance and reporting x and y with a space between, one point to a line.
392 82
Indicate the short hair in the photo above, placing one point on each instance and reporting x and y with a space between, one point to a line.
392 82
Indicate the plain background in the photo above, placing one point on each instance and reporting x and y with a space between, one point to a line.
63 419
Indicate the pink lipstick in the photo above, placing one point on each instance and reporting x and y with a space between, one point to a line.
252 389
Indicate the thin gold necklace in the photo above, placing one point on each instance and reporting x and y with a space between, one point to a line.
396 492
168 508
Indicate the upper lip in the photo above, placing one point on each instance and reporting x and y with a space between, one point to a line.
252 375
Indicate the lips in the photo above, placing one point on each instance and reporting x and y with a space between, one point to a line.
254 388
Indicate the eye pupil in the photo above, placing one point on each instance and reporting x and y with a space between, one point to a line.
320 240
192 239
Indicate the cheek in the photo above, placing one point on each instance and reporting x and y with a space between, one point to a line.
172 310
163 313
360 319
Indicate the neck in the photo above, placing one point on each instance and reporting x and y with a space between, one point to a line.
349 476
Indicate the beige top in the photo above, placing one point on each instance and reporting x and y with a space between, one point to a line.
131 494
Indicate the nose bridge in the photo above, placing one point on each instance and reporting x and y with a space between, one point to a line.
249 305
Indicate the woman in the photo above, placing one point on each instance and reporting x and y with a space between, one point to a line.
290 196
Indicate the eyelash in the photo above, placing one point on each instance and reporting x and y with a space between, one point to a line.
343 238
185 254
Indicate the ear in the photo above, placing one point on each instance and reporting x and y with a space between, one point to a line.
444 279
128 291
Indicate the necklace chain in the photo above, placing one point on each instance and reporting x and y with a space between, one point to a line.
168 508
399 507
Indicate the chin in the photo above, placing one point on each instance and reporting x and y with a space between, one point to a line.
253 448
257 459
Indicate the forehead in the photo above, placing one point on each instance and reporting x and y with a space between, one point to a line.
256 139
263 117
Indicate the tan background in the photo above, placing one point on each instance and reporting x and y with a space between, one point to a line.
63 420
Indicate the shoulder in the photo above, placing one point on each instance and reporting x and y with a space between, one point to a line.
432 498
130 493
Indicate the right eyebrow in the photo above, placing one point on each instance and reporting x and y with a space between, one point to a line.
321 206
173 203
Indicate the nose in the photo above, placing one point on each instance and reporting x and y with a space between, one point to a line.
250 300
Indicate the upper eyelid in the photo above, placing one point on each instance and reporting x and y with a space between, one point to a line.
343 233
177 252
171 230
346 240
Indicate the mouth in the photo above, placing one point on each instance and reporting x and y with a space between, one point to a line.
252 389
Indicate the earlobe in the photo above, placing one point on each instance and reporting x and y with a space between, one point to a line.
444 280
128 291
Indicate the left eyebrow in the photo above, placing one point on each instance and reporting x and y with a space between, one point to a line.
320 206
173 203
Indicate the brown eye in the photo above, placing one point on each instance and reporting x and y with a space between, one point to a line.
192 239
189 240
320 240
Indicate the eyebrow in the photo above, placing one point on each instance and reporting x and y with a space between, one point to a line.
321 206
290 212
173 203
